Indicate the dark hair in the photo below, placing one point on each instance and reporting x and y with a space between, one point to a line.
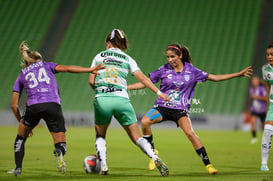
178 49
118 39
270 45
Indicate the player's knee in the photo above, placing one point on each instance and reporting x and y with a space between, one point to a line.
146 121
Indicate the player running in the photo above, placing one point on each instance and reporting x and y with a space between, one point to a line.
268 127
112 98
43 102
178 80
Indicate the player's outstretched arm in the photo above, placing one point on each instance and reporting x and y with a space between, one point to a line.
135 86
148 83
247 72
79 69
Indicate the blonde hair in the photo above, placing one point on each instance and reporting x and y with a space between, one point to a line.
118 39
29 57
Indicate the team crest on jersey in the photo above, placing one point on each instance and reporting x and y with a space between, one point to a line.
170 76
187 77
178 83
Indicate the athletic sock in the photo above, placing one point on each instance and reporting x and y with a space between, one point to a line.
266 143
149 138
203 155
254 134
60 147
146 147
101 149
19 150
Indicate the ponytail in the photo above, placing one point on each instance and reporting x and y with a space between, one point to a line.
29 57
118 39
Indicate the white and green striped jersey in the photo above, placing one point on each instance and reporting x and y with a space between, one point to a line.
268 76
112 80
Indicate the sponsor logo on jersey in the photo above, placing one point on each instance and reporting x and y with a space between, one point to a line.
106 54
109 89
178 83
170 76
188 72
110 61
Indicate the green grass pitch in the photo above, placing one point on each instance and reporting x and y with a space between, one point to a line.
229 151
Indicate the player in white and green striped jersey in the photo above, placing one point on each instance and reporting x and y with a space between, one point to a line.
268 128
112 98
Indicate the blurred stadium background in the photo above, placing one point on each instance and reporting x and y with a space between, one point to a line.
223 36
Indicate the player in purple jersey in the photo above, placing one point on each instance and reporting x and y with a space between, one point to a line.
178 80
258 96
43 102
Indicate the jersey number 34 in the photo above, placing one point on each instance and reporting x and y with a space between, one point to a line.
34 81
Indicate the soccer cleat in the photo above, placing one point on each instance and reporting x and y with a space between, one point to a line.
162 167
60 161
211 170
151 162
253 140
264 168
16 171
104 169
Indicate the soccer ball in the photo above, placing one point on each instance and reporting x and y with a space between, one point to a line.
91 164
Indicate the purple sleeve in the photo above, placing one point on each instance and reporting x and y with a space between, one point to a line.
52 66
155 76
200 76
18 86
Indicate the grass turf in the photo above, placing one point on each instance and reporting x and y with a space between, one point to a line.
229 151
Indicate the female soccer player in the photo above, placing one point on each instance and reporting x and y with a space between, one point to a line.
258 105
112 98
43 101
178 80
268 127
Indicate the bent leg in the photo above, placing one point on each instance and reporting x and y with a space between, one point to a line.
185 124
134 133
59 140
152 117
19 144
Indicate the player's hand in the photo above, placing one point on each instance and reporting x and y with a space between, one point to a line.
97 68
247 72
30 134
165 97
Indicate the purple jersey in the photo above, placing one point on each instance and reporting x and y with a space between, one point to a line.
258 106
40 83
178 86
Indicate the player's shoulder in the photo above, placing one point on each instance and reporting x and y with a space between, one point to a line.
267 67
190 67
